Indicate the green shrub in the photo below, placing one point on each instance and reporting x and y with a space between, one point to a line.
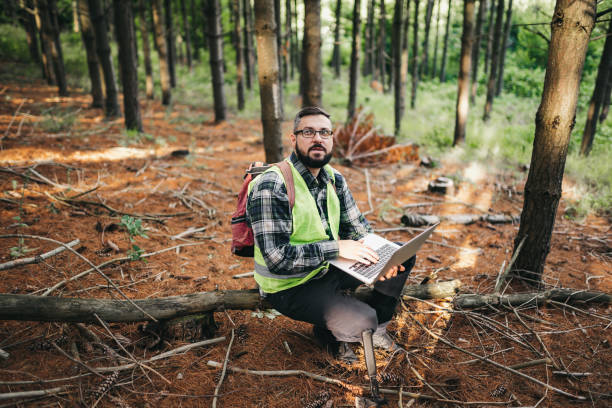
13 44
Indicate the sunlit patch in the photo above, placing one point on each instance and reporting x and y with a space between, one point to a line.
467 258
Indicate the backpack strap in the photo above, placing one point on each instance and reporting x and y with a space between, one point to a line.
285 168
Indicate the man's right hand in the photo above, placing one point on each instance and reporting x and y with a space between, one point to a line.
356 251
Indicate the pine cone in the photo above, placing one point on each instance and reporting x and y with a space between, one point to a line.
499 391
242 333
47 344
390 378
320 399
105 386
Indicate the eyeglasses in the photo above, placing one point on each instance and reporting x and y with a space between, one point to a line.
309 133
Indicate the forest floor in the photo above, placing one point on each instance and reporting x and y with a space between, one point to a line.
74 153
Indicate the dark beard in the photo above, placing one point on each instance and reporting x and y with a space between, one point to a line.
312 163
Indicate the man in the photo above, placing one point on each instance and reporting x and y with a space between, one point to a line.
293 247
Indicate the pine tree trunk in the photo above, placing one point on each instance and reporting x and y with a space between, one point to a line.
47 67
435 60
187 31
482 9
415 55
445 48
239 52
571 27
368 66
52 40
467 41
29 24
336 49
405 55
599 94
424 71
162 52
127 65
295 53
267 56
397 44
195 45
170 45
98 18
93 65
287 66
146 48
382 41
495 51
279 35
311 54
502 51
248 43
355 51
216 57
606 102
490 30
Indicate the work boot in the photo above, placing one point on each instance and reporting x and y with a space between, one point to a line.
384 341
345 353
339 349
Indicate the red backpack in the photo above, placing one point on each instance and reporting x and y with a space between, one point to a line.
242 235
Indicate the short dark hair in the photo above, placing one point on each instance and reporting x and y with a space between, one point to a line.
308 111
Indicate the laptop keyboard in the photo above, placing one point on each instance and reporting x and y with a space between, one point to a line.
384 252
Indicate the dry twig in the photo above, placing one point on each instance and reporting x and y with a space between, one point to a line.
38 258
218 387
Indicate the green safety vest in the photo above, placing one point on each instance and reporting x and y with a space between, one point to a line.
307 228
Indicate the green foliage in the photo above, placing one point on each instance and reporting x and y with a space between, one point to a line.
526 82
134 228
13 44
57 119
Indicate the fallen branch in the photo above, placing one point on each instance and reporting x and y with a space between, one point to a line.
223 371
37 258
417 220
39 308
472 301
26 394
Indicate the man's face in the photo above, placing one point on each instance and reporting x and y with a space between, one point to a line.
316 151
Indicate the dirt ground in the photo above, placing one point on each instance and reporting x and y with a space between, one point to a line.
105 172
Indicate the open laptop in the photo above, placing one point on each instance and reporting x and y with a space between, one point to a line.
390 254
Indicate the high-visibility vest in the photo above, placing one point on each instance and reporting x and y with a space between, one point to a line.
307 228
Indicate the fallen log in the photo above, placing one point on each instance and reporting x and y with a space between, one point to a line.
48 308
472 301
417 220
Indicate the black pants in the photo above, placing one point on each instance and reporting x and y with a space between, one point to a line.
325 302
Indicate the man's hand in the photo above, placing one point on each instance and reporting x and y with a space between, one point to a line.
392 273
356 251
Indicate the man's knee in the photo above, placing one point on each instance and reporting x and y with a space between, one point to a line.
353 323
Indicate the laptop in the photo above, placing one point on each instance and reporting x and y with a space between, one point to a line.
389 252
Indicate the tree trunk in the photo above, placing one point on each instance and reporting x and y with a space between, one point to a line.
424 71
382 41
482 9
445 48
29 24
50 31
44 47
170 46
93 65
215 42
368 66
472 301
48 308
187 31
311 54
502 51
606 102
415 55
127 66
599 94
490 30
111 103
288 46
296 43
336 49
397 44
195 44
162 51
239 51
355 51
146 49
248 43
463 104
271 116
554 123
279 34
435 59
405 55
495 51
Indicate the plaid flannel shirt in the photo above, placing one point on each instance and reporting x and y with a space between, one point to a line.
269 215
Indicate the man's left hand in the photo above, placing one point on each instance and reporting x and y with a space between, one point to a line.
392 272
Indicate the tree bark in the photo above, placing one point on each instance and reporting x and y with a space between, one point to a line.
50 34
279 34
248 43
311 54
415 55
93 65
599 94
170 45
288 68
472 301
47 67
127 64
382 41
146 49
495 51
445 48
425 61
48 308
571 28
187 31
482 9
502 51
269 92
239 52
29 24
162 52
355 51
398 85
195 44
215 46
405 55
295 50
111 102
606 102
435 60
368 66
490 30
463 91
336 49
